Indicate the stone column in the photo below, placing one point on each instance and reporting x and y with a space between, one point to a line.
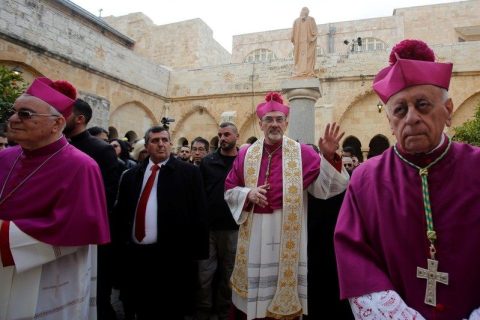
302 95
100 107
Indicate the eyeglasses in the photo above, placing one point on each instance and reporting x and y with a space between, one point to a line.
269 119
27 114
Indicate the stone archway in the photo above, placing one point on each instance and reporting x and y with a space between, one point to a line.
27 72
465 111
199 120
362 117
250 128
377 145
132 116
181 142
355 144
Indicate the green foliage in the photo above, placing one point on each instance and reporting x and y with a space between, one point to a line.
12 85
469 132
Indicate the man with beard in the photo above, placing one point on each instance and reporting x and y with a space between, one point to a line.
223 229
267 195
184 153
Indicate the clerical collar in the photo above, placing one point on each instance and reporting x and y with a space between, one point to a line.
424 159
46 150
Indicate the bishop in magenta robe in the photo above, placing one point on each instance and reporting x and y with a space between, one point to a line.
52 214
266 191
408 233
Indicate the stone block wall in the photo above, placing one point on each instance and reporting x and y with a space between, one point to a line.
54 28
437 24
186 44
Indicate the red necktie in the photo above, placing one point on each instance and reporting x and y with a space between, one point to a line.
142 205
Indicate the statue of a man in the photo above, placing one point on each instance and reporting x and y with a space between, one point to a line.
304 39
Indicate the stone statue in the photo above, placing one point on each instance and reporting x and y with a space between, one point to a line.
304 39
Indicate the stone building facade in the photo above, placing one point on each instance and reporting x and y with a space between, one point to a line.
135 73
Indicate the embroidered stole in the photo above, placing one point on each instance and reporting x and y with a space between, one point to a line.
286 302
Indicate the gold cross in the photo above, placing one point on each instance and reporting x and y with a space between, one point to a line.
432 276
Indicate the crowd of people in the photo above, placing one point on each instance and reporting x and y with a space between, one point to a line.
272 229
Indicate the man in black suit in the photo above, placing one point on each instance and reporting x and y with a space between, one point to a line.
104 154
160 222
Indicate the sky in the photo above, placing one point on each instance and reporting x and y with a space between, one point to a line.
227 18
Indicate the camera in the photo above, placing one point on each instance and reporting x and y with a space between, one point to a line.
166 122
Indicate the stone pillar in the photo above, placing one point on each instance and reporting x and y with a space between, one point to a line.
302 95
228 116
100 107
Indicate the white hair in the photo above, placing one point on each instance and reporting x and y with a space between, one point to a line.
445 95
57 113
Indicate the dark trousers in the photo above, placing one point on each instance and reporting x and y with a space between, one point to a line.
215 294
158 286
105 268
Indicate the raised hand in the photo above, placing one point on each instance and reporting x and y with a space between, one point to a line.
329 143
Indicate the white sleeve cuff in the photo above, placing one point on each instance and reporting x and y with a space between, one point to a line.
382 305
28 252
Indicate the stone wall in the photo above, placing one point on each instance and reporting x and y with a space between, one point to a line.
387 29
439 24
117 92
51 27
132 89
186 44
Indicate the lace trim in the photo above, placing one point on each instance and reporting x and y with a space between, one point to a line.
382 305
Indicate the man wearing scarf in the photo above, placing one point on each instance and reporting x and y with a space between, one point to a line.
52 212
407 239
266 191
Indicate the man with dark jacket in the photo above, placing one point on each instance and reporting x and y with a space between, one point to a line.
160 225
104 155
216 295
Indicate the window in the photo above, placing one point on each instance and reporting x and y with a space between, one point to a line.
368 45
260 55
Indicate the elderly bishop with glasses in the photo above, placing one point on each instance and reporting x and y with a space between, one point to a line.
266 191
52 212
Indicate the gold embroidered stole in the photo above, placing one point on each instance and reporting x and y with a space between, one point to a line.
285 303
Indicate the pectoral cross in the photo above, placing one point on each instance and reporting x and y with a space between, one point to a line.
432 276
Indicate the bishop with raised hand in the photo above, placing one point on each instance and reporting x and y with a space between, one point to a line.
266 191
